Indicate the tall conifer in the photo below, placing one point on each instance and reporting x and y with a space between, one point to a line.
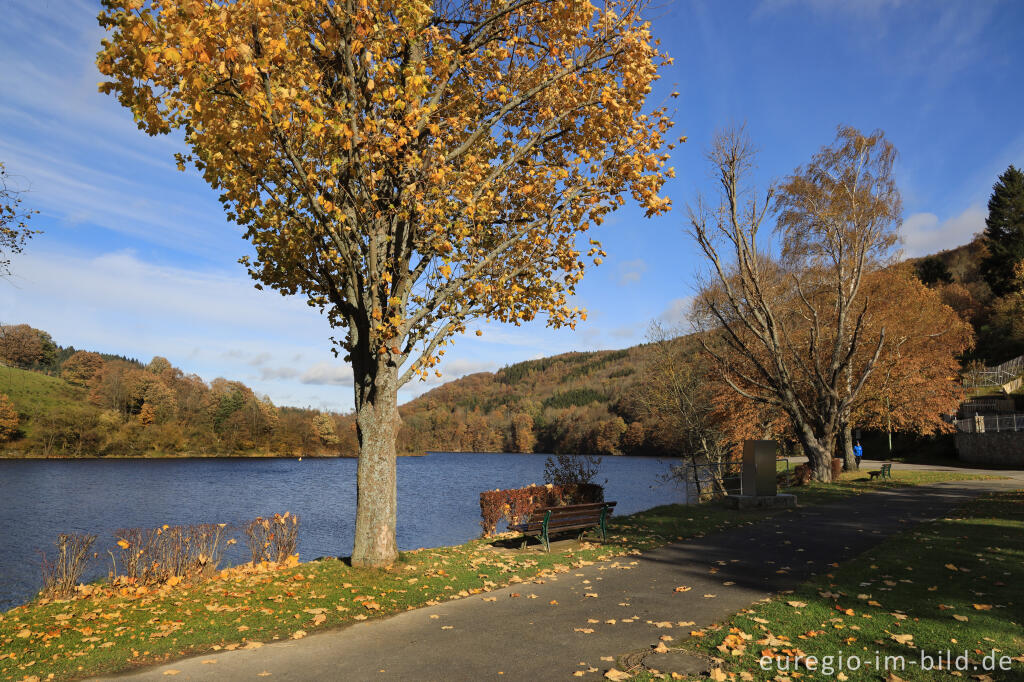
1004 232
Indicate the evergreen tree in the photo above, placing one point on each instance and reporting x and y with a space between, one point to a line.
1004 232
931 271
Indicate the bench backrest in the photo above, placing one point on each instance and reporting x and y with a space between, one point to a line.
571 512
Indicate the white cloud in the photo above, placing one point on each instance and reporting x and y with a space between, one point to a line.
631 271
923 233
271 373
326 373
675 315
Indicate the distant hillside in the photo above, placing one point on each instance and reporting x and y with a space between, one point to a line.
569 403
72 403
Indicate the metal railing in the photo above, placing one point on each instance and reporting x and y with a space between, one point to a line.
995 376
991 423
700 482
974 406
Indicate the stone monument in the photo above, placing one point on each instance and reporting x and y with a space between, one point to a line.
758 480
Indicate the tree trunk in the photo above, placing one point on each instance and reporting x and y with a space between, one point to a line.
377 422
819 454
845 448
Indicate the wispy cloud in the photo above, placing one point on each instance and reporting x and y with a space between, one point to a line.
631 271
675 315
862 8
327 374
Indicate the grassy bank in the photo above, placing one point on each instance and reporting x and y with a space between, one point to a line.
955 585
113 632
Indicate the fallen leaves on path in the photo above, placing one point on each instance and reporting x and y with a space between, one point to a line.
616 675
683 588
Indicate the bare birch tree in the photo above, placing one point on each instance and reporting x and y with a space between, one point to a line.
786 328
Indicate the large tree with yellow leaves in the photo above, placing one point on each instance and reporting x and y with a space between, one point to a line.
407 165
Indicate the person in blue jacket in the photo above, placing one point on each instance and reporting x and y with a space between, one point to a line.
858 452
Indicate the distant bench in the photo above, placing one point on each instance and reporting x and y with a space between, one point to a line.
547 521
884 472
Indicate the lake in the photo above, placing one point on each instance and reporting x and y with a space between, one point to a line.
438 500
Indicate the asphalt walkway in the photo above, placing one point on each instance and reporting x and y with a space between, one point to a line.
603 610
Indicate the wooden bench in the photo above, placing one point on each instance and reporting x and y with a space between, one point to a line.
547 521
884 472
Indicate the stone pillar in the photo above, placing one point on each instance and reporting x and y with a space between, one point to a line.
759 468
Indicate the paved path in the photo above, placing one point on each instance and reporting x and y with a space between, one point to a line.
530 639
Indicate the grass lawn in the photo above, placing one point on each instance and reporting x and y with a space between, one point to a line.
34 393
113 632
953 585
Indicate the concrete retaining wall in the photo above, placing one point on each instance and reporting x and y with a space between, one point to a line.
1004 449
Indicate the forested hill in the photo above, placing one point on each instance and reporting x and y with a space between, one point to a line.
575 402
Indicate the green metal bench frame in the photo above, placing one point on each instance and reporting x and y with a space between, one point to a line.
884 472
546 530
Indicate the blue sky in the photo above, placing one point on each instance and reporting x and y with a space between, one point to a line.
137 258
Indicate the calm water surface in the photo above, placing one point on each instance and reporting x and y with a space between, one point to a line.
438 500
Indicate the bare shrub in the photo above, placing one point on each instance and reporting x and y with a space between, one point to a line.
207 546
133 554
571 469
158 554
273 539
61 575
